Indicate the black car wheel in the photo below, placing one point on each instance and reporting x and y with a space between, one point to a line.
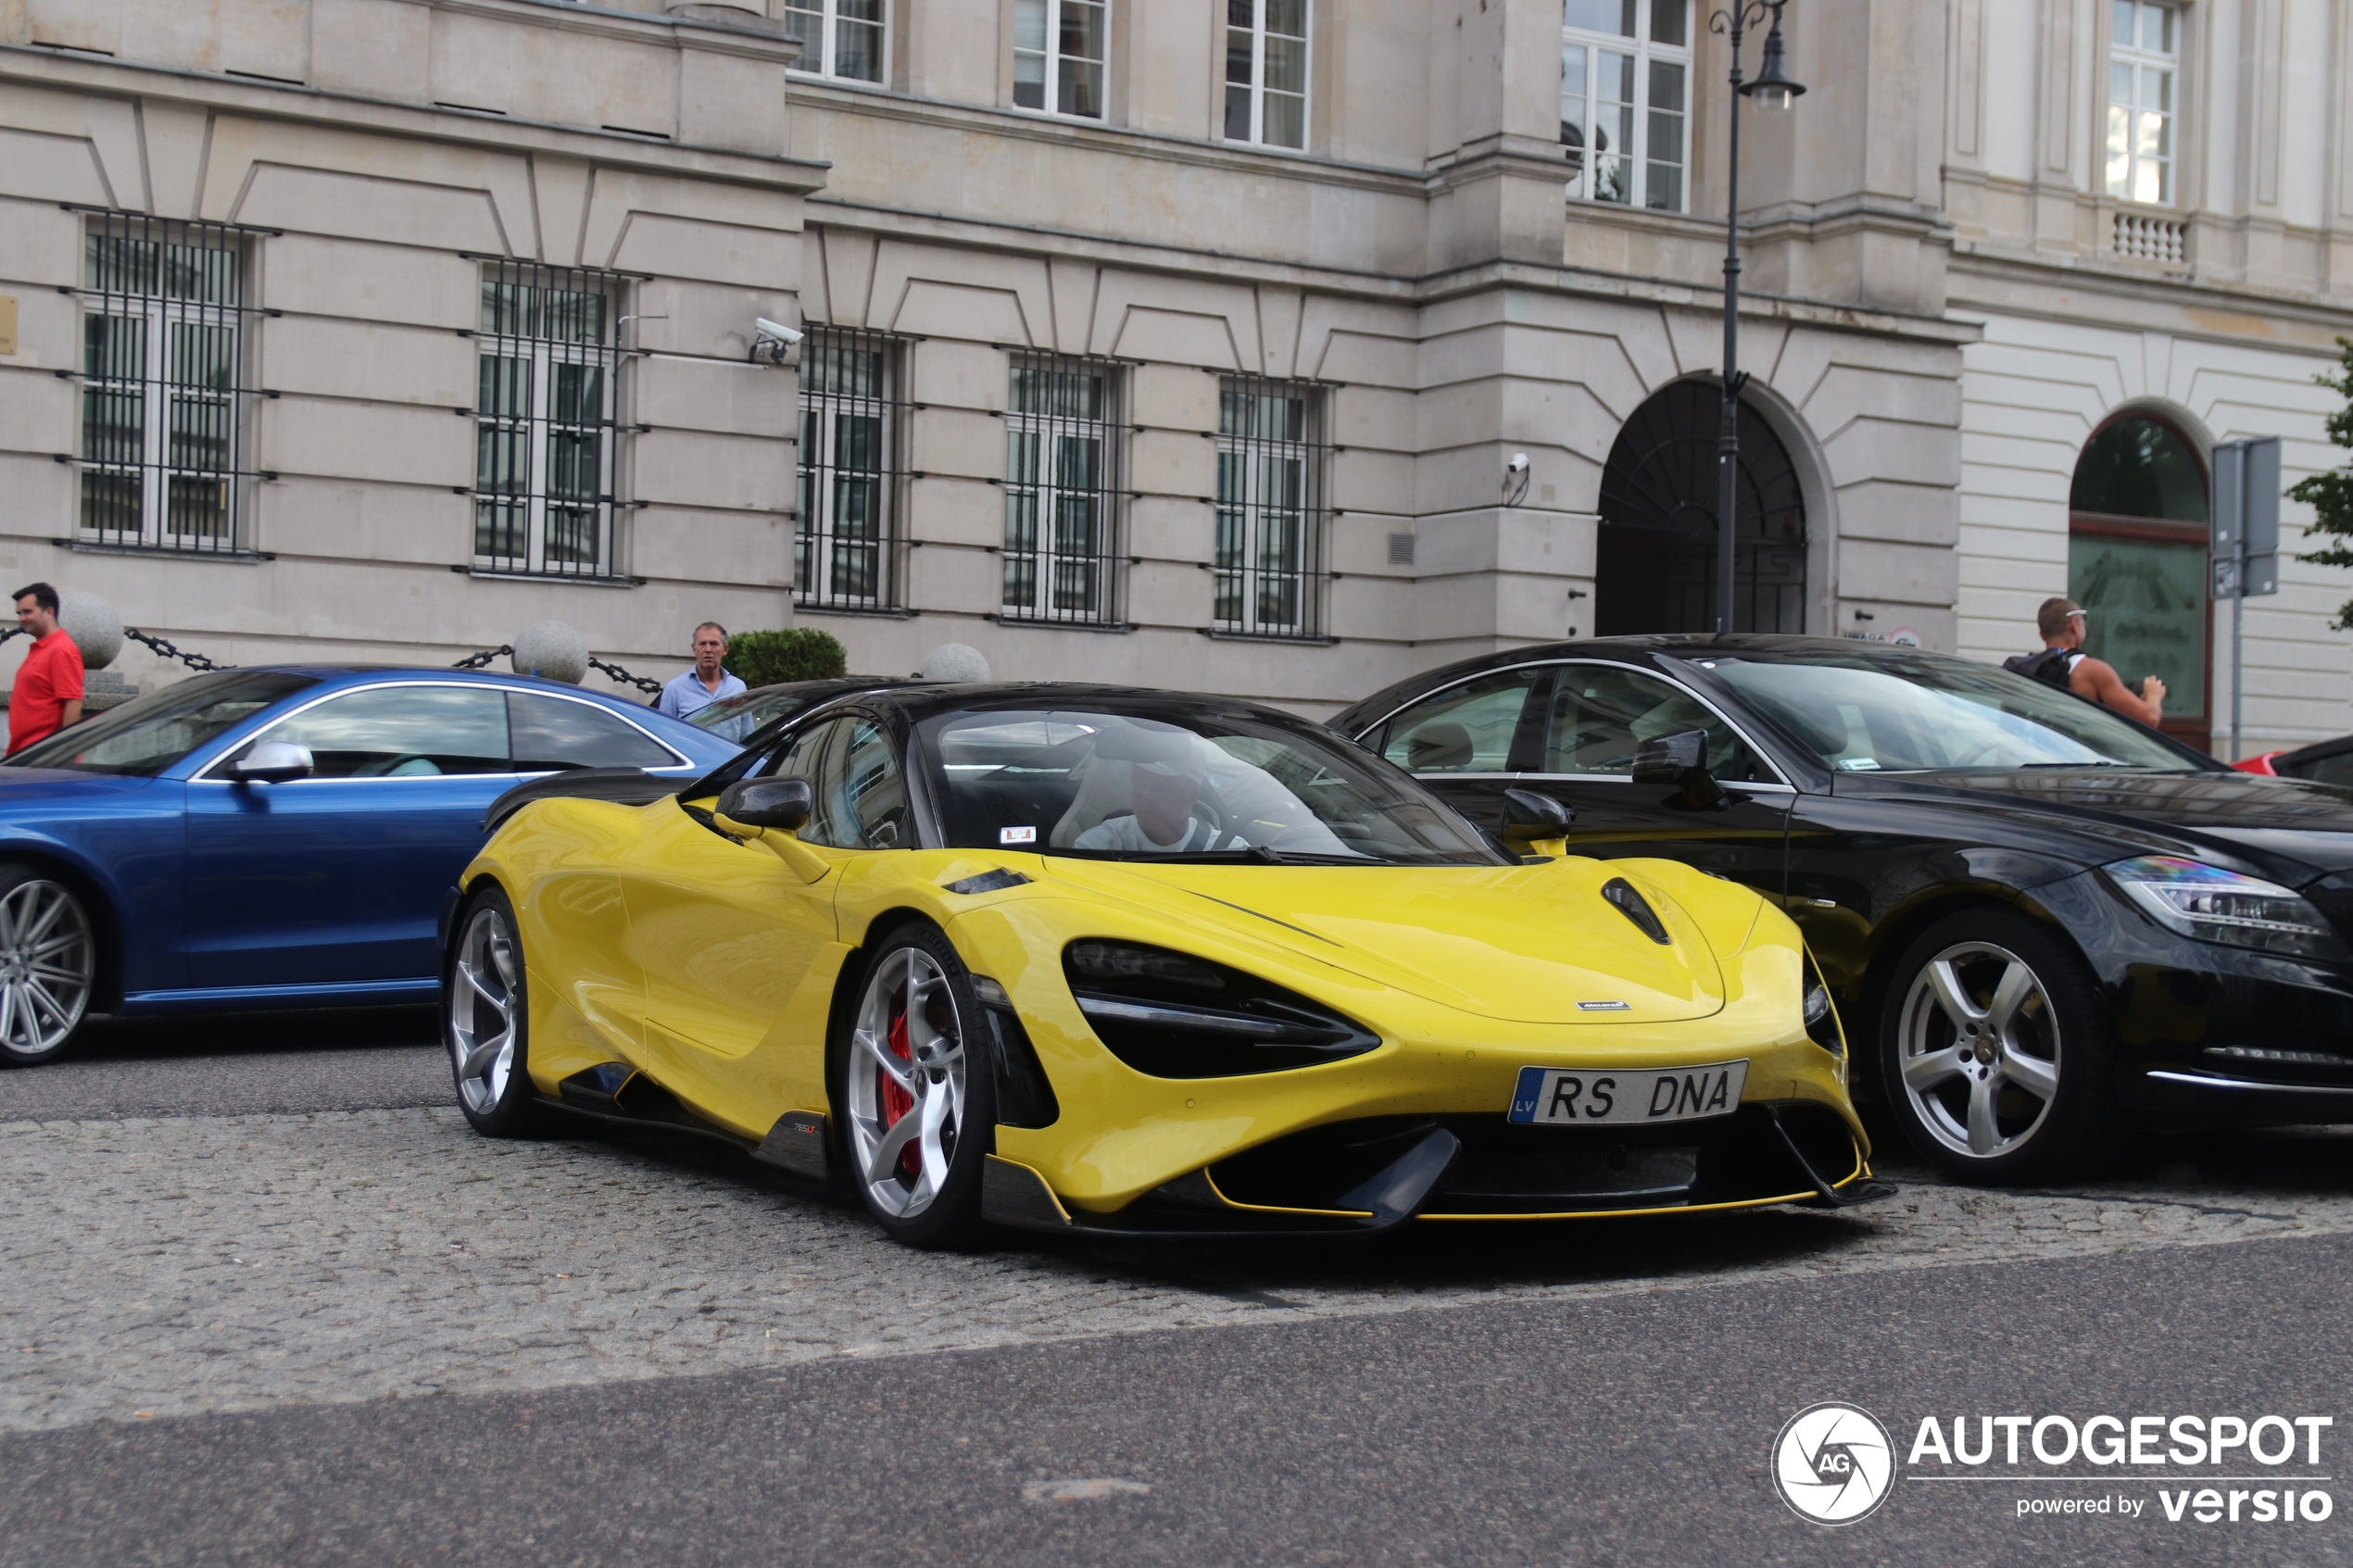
487 1020
48 967
1993 1052
914 1091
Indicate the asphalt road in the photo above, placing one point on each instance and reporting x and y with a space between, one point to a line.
352 1334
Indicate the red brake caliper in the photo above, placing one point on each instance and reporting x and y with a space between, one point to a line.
895 1101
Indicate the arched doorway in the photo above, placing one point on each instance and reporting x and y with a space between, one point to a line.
1656 564
2136 560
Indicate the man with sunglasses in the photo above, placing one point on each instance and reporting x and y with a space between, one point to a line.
2063 663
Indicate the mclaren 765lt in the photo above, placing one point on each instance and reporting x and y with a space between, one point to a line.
1119 962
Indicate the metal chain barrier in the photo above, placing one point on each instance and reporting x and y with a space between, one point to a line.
616 673
192 661
471 661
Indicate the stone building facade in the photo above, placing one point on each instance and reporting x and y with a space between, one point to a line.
1155 340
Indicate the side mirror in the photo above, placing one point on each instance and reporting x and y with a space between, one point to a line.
272 761
782 804
1681 759
1531 819
1670 758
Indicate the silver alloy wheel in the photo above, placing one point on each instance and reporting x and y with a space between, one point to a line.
47 965
1981 1049
485 1009
906 1082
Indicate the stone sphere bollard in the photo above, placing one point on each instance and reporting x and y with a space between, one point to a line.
954 661
552 651
95 627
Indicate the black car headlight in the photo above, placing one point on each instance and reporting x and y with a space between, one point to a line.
2215 905
1173 1016
1821 1018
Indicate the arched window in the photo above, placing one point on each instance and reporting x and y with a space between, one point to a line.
2137 561
1656 566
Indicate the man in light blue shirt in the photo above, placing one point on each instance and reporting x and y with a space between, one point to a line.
706 683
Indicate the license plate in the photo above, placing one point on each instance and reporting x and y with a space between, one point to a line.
1612 1097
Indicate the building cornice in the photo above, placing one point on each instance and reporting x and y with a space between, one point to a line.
39 65
2056 274
1254 161
1387 287
1594 283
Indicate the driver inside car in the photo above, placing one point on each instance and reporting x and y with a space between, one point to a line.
1163 793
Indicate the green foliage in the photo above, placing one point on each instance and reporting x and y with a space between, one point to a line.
801 653
2330 494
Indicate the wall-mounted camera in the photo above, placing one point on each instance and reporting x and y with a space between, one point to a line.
1515 477
773 343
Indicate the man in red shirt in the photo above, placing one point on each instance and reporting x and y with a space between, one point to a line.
47 695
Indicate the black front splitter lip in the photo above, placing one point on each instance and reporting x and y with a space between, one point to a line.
1015 1194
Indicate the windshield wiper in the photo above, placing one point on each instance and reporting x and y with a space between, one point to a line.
1250 855
2101 763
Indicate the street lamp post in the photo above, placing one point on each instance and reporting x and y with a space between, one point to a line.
1772 90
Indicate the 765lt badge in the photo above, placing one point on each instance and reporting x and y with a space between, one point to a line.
1561 1095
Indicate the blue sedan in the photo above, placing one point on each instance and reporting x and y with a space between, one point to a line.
274 837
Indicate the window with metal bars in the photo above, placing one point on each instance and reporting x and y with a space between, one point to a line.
545 437
1065 453
1271 458
164 419
853 427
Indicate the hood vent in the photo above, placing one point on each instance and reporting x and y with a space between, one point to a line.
1634 907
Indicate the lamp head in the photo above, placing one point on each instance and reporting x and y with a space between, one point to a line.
1773 89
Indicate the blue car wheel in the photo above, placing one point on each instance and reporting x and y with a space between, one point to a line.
49 966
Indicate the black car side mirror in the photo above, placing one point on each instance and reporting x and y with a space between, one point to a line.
1681 759
272 761
1530 817
782 804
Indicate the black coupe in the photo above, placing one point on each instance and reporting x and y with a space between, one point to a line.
2044 924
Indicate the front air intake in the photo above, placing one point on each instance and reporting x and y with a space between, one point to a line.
1174 1016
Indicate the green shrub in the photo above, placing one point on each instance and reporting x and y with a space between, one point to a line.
801 653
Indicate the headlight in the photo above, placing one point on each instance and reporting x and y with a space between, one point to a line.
2215 905
1821 1018
1173 1016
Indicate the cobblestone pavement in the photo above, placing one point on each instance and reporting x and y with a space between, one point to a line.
175 1265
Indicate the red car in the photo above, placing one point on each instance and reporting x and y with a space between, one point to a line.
2328 761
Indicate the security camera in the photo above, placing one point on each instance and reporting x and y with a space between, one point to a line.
1515 479
775 342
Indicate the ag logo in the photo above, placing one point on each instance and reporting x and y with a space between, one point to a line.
1834 1463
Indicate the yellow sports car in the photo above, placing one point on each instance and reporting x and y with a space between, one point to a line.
1104 961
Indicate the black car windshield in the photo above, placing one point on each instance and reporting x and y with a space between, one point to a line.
144 737
735 718
1208 785
1919 713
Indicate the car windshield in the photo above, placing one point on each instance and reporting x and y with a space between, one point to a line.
1924 713
1206 786
735 718
144 737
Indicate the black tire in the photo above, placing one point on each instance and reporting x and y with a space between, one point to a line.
920 1206
49 966
2013 1067
485 1007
